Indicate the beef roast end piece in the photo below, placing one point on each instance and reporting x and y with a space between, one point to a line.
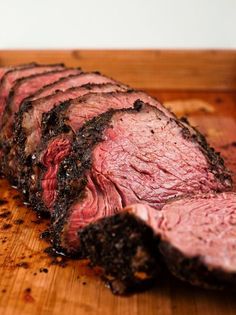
126 249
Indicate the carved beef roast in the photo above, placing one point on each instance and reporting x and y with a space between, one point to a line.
130 156
126 184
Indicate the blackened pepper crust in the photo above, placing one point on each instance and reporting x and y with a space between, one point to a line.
193 269
126 249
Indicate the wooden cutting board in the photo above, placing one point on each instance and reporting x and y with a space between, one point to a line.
31 282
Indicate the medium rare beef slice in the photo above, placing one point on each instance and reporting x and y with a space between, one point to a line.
130 156
194 236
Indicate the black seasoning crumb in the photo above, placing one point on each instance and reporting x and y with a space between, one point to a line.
3 202
84 283
23 264
5 214
35 273
152 131
45 270
6 226
45 234
18 221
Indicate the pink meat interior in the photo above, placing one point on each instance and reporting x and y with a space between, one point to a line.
58 149
204 227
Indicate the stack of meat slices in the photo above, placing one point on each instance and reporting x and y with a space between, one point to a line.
124 181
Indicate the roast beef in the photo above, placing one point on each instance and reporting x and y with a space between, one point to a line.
25 88
10 77
126 183
22 89
130 156
69 117
28 128
50 147
195 237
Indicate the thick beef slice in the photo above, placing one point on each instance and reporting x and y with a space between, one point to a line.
19 72
131 156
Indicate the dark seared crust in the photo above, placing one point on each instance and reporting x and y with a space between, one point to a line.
126 249
193 269
214 159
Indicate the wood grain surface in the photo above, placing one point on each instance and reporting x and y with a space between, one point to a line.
156 69
31 282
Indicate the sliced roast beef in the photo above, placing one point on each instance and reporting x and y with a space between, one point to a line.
25 88
130 156
16 73
22 89
28 120
53 149
195 236
69 117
